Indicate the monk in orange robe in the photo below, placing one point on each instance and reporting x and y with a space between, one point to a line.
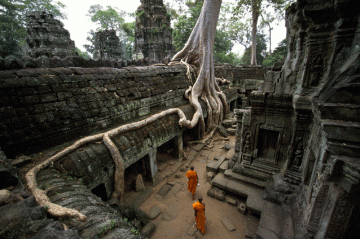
193 179
199 208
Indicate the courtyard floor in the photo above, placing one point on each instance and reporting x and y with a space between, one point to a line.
176 219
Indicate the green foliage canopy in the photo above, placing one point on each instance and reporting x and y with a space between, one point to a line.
260 51
278 54
186 22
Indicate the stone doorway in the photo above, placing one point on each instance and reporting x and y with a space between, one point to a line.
142 166
268 144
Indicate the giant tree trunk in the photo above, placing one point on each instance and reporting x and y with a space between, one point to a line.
198 51
255 7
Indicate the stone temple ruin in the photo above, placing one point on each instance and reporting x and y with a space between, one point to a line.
47 36
296 157
153 37
107 45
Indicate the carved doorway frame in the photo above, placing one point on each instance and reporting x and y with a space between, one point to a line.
280 130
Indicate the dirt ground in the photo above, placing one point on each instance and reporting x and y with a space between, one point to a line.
177 215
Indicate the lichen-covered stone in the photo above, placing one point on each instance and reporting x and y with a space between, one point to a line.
153 37
47 37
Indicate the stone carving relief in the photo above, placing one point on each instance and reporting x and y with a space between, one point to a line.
315 72
246 150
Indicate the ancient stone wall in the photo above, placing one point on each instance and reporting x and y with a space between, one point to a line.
41 107
321 71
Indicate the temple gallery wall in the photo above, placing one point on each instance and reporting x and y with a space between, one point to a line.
296 157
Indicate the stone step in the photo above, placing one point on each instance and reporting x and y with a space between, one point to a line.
244 179
224 166
214 164
292 177
265 166
345 112
344 148
253 193
344 131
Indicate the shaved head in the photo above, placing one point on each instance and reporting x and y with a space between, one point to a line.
192 167
200 199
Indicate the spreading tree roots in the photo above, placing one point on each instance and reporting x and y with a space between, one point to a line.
197 54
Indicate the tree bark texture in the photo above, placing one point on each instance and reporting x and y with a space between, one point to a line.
255 7
198 51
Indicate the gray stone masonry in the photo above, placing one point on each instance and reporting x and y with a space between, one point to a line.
214 164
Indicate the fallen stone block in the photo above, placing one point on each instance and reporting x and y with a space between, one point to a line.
242 208
216 193
231 131
154 212
231 201
228 224
227 146
214 164
148 229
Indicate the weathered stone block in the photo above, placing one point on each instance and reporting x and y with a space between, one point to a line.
228 224
242 208
214 164
231 201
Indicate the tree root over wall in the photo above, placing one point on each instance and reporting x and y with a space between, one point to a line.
197 53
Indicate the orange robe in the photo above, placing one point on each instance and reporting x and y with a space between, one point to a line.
192 176
200 216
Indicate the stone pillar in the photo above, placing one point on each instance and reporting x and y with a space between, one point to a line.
179 150
153 166
243 119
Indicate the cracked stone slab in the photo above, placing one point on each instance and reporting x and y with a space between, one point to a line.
173 210
228 224
192 229
176 166
164 190
166 216
176 188
214 164
154 212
